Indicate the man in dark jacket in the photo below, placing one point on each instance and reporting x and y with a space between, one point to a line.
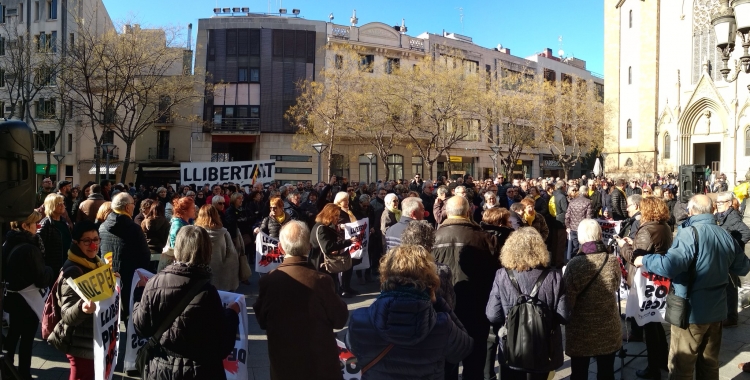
619 201
472 256
438 209
428 200
88 208
411 209
558 235
730 220
296 292
578 210
120 235
633 188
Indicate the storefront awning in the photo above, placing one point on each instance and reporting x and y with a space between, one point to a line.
159 168
103 168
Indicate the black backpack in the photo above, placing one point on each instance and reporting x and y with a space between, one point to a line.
529 344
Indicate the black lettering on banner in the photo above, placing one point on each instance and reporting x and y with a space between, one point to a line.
213 174
136 341
237 355
224 173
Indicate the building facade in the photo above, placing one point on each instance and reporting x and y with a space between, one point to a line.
671 106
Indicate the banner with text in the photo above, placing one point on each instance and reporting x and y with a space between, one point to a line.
349 367
361 230
610 228
237 172
133 342
647 301
106 334
267 253
35 297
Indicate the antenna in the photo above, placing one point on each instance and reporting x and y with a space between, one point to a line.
461 17
560 52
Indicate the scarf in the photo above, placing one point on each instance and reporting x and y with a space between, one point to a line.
77 256
118 212
280 219
593 247
396 212
529 217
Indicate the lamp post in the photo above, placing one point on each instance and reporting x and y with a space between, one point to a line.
108 148
728 22
59 157
369 156
319 147
495 149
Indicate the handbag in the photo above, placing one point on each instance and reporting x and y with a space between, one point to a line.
678 308
153 347
332 262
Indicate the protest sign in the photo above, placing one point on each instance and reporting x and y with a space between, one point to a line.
35 297
106 334
647 301
235 364
267 253
97 285
361 230
610 228
349 367
237 172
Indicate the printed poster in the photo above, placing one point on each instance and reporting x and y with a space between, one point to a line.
106 334
349 366
358 250
267 253
97 285
647 301
35 297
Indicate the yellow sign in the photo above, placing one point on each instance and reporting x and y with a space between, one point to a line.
97 285
455 159
519 162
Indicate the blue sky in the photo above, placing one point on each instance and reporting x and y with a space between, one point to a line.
526 27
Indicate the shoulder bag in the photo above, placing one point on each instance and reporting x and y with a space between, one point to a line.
153 347
678 308
334 262
585 288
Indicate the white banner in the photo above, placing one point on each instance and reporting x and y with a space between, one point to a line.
358 250
235 365
648 297
35 297
349 367
267 253
106 334
609 229
237 172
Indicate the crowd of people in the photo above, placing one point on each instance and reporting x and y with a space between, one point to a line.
451 256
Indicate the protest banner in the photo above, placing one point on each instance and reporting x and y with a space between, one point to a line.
35 298
97 285
358 250
235 364
648 297
349 367
237 172
106 334
267 253
610 228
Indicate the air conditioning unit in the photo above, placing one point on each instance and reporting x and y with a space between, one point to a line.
11 12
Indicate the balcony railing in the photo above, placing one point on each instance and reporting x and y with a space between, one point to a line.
115 155
249 124
161 154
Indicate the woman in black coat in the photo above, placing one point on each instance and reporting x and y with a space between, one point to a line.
23 270
324 239
276 218
202 336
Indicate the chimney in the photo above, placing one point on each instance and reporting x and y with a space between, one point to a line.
190 37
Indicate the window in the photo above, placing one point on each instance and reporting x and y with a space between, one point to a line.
45 141
2 14
242 42
242 74
70 142
46 42
667 146
20 12
254 75
417 167
231 42
44 76
395 165
68 170
2 45
36 11
747 142
165 104
339 166
629 131
630 75
366 62
211 45
2 78
45 108
162 145
392 64
52 9
368 171
291 158
108 137
293 170
53 41
630 19
550 75
600 91
338 61
72 40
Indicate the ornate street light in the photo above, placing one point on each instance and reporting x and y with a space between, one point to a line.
319 147
729 22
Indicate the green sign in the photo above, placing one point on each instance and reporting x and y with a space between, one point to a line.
42 169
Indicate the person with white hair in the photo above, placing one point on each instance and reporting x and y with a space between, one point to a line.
296 292
591 278
391 214
411 209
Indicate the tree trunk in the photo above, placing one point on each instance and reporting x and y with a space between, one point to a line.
126 162
46 168
429 168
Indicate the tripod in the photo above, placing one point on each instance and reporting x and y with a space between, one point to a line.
622 353
7 369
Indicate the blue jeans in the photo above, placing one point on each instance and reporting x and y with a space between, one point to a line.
573 245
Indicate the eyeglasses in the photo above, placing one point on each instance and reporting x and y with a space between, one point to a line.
219 203
89 241
721 202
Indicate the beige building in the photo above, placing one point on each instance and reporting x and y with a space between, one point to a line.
671 105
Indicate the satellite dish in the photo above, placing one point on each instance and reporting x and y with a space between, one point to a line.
560 53
499 47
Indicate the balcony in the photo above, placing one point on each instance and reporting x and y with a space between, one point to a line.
161 154
227 124
115 155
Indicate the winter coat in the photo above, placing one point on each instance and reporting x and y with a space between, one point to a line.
378 205
578 210
424 336
596 204
541 206
594 327
157 233
561 205
233 216
53 244
224 260
606 201
718 255
438 211
387 219
74 334
87 209
540 225
299 308
500 233
731 221
271 227
393 235
26 266
651 237
174 227
551 292
619 204
516 220
428 200
199 339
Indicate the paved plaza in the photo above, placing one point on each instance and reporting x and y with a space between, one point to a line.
49 364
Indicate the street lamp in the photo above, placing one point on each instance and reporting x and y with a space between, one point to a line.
108 149
319 147
369 156
495 149
728 22
59 157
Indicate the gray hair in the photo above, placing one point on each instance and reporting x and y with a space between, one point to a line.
490 194
725 196
121 200
294 238
635 199
410 205
589 230
389 198
559 184
457 206
442 190
419 233
216 199
292 194
426 183
364 198
700 204
455 189
192 245
583 190
517 207
159 190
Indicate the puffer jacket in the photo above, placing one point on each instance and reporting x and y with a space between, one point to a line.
578 210
425 336
561 205
224 260
271 227
551 292
651 237
731 221
500 233
619 203
53 245
74 334
127 242
199 339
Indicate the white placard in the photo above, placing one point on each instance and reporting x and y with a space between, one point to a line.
267 253
106 334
